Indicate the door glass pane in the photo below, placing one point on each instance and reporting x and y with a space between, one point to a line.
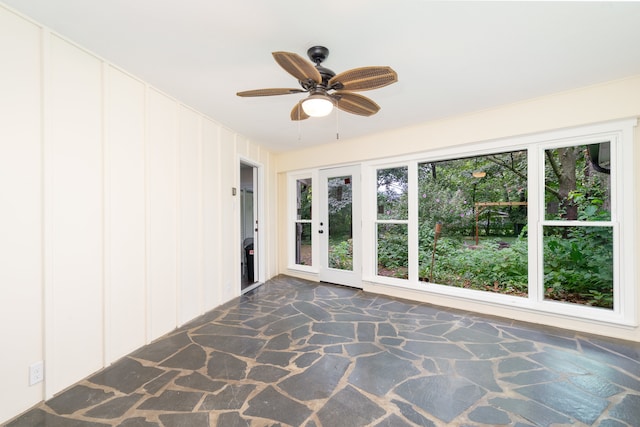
392 193
578 183
303 190
472 223
578 265
393 253
340 223
303 243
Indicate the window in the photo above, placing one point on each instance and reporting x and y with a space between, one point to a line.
577 230
302 222
472 223
392 223
543 222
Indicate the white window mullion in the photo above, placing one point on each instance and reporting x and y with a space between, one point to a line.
413 222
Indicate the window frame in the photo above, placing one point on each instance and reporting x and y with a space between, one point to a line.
619 133
292 220
393 221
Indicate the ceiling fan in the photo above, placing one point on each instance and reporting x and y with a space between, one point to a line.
327 89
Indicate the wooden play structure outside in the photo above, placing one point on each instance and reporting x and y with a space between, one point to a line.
480 206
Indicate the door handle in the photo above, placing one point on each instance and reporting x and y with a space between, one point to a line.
320 231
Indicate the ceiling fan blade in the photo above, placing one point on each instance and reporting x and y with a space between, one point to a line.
297 66
355 104
298 113
269 92
365 78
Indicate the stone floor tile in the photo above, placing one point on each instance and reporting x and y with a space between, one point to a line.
197 419
519 346
173 401
341 329
532 411
197 381
628 410
318 381
445 397
192 357
595 385
379 373
348 407
267 374
138 422
287 324
412 415
76 398
305 360
393 421
489 415
479 372
241 346
486 351
557 362
126 375
216 329
440 350
542 337
279 342
612 423
232 419
233 396
114 408
438 330
39 418
531 377
366 332
314 311
322 339
516 364
387 330
162 347
226 367
468 335
156 385
360 348
599 368
630 365
272 405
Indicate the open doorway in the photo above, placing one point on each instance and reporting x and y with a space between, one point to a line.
249 226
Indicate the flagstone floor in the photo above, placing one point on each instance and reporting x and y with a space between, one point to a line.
297 353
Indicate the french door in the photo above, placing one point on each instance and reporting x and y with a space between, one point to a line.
340 226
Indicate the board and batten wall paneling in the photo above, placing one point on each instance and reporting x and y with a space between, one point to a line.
125 214
74 345
21 303
230 216
162 213
190 216
211 214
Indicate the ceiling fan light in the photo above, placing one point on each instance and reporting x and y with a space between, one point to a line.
317 105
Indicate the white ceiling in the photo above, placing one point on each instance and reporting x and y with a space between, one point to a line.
451 57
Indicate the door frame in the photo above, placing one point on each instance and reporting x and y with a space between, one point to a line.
258 237
326 274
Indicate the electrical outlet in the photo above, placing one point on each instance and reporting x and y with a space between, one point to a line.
36 373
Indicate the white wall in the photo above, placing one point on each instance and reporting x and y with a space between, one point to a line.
609 101
21 272
117 220
73 214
